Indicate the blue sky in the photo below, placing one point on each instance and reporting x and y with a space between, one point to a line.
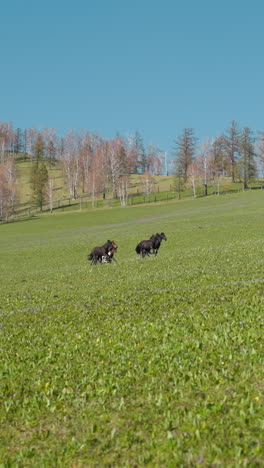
121 66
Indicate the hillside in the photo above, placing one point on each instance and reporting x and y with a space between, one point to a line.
162 189
160 183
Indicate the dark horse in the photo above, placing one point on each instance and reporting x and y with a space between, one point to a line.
150 246
103 254
157 241
144 247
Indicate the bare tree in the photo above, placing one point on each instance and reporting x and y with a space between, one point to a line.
97 173
122 189
8 188
117 161
7 140
154 163
194 175
260 152
148 183
89 146
203 161
70 160
165 163
31 135
132 152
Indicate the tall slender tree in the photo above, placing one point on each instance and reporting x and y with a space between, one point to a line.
39 149
39 181
18 141
248 165
231 146
51 151
185 147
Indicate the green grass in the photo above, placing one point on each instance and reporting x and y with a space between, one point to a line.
154 362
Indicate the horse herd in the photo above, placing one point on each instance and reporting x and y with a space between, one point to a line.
105 253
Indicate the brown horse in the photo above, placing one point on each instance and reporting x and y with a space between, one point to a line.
110 254
103 254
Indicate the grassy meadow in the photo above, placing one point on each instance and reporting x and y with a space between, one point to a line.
146 362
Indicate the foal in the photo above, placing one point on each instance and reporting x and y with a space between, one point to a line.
110 253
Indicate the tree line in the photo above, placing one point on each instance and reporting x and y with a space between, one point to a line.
236 153
91 164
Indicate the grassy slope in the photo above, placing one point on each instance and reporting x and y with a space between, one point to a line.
156 361
23 179
162 183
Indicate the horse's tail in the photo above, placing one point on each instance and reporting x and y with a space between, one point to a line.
90 256
138 249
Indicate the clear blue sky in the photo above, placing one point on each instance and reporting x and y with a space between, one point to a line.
121 66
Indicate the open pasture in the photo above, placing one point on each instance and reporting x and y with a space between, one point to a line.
155 361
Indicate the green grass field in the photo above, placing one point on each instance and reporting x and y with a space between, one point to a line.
146 362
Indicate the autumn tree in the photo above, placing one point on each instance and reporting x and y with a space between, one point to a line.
184 151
